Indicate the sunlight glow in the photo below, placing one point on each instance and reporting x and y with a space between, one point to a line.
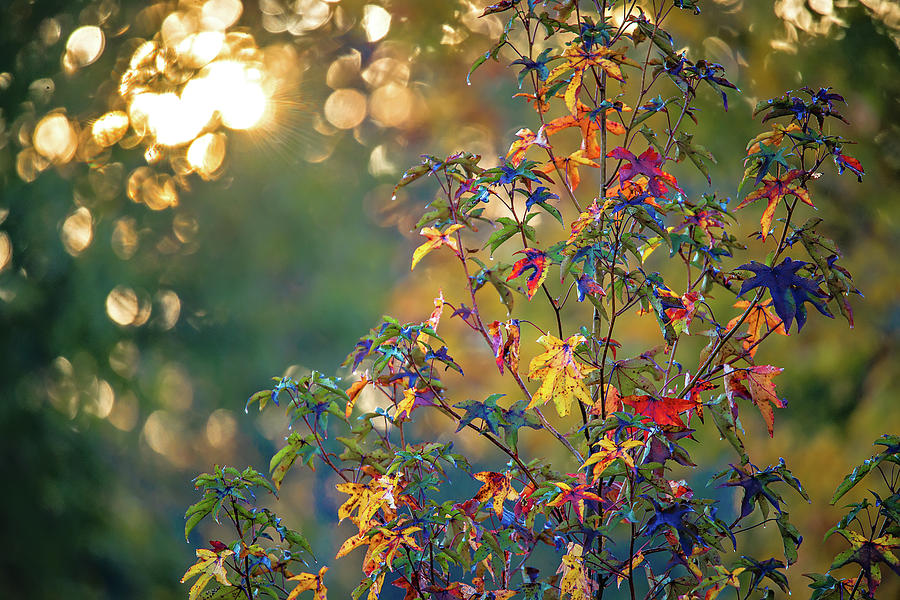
206 153
55 138
376 21
6 250
110 128
84 46
237 91
77 231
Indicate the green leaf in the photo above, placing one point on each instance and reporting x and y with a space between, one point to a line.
853 478
790 537
478 62
284 458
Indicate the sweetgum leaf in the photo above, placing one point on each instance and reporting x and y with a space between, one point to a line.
789 291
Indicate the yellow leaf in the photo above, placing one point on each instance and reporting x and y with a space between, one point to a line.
497 486
574 581
436 239
625 573
561 374
308 581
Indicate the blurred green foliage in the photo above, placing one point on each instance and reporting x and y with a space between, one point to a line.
286 262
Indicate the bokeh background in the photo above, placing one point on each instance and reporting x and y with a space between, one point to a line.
157 267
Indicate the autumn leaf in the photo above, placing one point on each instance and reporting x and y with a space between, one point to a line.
681 316
353 393
527 139
608 453
663 410
774 137
589 121
561 374
384 547
611 401
760 321
647 164
625 571
308 581
534 260
575 496
574 580
435 318
774 189
497 487
760 389
412 399
366 499
210 565
507 352
845 161
569 165
867 554
436 239
578 59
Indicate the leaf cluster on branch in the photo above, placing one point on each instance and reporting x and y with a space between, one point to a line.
612 511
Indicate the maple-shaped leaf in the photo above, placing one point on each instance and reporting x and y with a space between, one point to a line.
789 291
435 318
527 139
516 417
412 399
366 499
589 121
574 581
592 216
774 189
384 548
760 321
538 65
767 569
488 411
309 581
575 496
497 488
774 137
867 553
760 390
681 316
826 587
767 156
436 239
569 165
609 452
647 164
578 59
755 485
210 565
534 260
673 515
561 374
662 410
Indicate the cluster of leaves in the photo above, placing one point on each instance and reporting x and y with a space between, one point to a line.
612 512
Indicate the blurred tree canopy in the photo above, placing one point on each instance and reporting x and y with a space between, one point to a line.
154 271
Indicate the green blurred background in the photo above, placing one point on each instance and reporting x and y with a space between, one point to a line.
132 331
